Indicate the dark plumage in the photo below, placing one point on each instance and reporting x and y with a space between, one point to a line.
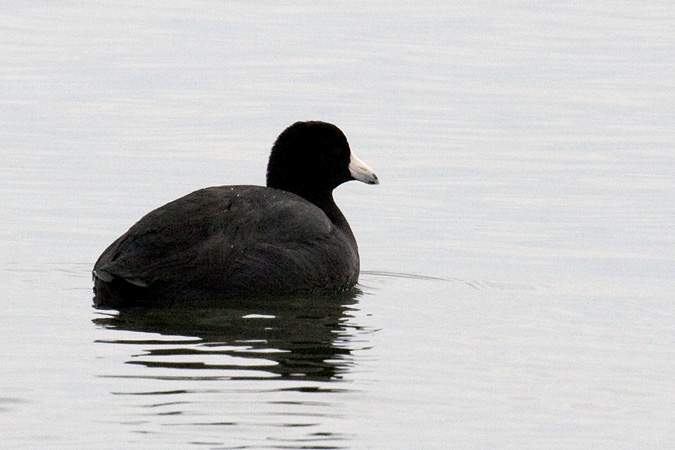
230 242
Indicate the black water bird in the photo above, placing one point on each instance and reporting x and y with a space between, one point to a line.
227 242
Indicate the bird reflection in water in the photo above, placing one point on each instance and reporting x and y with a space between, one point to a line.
292 338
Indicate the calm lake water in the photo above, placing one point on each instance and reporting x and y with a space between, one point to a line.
518 258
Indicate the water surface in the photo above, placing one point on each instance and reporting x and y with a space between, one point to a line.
517 257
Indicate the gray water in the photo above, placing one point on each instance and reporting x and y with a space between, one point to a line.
518 257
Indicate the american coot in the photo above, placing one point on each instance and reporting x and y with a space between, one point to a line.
229 242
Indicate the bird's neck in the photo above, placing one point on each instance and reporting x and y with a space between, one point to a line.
324 200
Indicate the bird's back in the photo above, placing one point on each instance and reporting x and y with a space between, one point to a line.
226 242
